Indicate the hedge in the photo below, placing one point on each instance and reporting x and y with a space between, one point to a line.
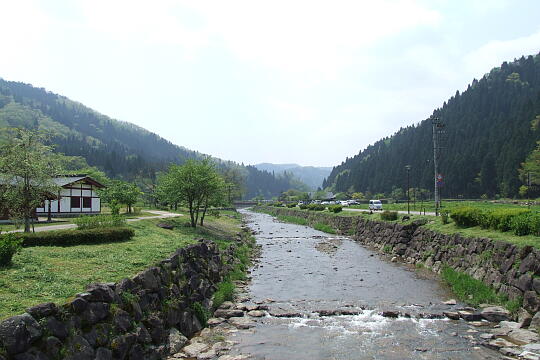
9 245
520 221
389 215
75 237
335 208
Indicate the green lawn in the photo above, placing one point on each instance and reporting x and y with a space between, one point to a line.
52 274
449 205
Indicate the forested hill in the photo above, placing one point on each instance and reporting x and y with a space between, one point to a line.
120 149
310 175
488 135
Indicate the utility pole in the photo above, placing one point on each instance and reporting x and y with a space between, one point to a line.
437 127
408 167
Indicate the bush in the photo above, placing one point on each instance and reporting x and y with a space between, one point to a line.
389 215
75 237
202 313
335 208
277 204
290 206
502 219
303 206
224 292
316 207
86 222
520 224
465 216
9 245
444 216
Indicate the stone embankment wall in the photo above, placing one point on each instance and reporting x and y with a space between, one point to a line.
146 317
511 270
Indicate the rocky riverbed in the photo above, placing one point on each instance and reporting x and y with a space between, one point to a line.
317 296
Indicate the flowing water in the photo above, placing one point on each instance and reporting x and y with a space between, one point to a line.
304 274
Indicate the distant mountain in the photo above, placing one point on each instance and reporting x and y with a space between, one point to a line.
489 130
310 175
120 149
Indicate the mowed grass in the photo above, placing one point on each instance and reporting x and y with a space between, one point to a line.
53 274
429 206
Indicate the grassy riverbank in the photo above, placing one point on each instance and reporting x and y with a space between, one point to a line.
52 274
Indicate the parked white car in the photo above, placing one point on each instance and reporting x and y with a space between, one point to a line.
344 202
375 205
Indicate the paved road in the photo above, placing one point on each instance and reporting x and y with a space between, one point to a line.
158 215
399 212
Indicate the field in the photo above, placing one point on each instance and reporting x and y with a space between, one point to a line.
52 274
451 204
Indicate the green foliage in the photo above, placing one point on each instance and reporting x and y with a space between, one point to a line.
27 169
277 204
292 219
121 192
316 207
473 291
444 216
387 249
335 208
521 221
323 227
224 292
86 222
75 237
290 206
202 313
465 216
196 184
304 206
389 215
9 245
475 163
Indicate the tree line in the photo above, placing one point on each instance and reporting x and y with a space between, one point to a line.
489 134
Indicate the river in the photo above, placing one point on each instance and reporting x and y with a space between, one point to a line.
307 278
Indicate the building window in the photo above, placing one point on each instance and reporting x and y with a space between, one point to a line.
86 202
75 202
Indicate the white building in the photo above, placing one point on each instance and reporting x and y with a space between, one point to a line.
77 196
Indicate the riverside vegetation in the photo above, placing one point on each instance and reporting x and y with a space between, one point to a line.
463 280
54 273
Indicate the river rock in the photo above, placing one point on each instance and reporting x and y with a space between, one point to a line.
176 340
214 321
500 343
470 315
228 313
226 305
195 348
509 351
452 315
241 322
495 314
256 313
234 357
535 322
42 310
450 302
522 336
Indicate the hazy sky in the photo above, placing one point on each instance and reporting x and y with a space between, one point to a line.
310 82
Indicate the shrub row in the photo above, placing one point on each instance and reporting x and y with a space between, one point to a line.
316 207
74 237
335 208
303 206
520 221
290 206
9 245
99 221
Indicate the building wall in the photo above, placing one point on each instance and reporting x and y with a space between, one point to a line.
74 190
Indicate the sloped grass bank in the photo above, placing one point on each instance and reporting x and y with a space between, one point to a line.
54 273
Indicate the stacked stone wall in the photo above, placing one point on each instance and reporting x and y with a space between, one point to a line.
148 316
511 270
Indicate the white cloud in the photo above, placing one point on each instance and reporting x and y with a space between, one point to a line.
495 52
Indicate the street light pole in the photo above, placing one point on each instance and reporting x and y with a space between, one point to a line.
408 167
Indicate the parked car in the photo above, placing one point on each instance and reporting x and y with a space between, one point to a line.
344 202
375 205
354 202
